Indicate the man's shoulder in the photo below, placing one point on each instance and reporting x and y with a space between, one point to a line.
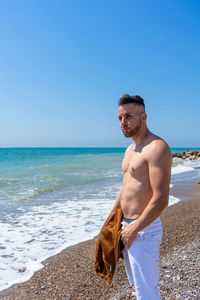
157 143
157 148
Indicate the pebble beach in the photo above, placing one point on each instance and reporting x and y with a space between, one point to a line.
70 274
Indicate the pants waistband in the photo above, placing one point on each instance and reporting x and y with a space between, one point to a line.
127 220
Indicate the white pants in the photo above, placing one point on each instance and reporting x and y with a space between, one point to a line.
141 261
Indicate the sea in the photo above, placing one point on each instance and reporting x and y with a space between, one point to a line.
52 198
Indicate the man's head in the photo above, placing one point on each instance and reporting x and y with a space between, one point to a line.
125 99
132 115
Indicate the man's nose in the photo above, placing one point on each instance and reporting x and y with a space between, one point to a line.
123 122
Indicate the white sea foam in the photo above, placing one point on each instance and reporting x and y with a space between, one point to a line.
181 169
182 166
46 230
173 200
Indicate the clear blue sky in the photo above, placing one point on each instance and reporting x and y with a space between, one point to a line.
64 64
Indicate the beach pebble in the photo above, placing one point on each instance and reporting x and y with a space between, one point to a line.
43 287
164 266
183 277
178 277
133 293
21 270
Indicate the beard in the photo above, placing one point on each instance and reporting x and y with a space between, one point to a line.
132 132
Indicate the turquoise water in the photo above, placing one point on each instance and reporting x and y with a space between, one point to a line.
51 198
35 175
29 172
183 149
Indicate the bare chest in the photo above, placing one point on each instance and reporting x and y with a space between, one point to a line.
135 164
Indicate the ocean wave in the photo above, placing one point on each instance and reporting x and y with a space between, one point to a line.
186 165
39 167
32 193
181 169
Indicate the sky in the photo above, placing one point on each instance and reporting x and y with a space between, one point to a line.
65 63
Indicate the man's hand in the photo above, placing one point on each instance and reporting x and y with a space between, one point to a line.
128 235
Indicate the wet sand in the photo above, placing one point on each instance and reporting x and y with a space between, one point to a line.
71 275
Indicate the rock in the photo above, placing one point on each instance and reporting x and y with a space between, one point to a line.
164 266
22 270
133 293
178 277
179 154
192 157
189 154
43 287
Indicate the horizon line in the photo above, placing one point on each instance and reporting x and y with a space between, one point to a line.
73 147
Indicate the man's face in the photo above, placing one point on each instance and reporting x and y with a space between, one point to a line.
130 118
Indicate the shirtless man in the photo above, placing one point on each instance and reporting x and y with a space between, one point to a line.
143 196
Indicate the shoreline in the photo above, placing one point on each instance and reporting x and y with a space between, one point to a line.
26 273
70 274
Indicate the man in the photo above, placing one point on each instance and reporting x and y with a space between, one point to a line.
143 196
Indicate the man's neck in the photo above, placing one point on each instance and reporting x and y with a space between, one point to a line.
139 140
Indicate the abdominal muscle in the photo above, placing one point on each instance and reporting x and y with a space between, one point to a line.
135 197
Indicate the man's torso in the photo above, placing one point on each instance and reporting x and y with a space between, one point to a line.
136 187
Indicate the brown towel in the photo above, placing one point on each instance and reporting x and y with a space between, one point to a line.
109 245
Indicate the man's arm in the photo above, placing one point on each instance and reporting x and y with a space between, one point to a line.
159 162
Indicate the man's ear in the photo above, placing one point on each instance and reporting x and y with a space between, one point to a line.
144 117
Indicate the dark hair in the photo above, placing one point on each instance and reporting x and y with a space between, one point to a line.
124 99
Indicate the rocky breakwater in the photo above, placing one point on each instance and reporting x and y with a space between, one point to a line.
188 154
